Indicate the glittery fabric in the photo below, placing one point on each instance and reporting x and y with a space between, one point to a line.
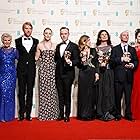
7 83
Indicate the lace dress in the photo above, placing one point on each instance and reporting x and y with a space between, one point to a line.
7 83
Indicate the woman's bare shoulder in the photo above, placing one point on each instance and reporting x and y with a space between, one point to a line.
40 46
54 45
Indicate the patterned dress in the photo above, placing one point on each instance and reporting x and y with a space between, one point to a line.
48 97
7 83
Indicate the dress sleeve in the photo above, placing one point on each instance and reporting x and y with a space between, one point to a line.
16 53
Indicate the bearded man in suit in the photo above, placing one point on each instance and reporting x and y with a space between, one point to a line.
26 68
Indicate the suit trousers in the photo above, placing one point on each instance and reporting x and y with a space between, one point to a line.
25 84
64 93
126 88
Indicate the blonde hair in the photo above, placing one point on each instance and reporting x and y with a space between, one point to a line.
83 42
27 23
5 35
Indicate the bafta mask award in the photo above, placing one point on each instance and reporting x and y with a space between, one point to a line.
127 57
67 54
83 56
103 58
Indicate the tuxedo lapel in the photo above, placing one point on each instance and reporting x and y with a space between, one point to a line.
129 48
21 45
32 48
68 46
120 49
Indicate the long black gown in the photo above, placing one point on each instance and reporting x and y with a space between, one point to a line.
105 100
86 88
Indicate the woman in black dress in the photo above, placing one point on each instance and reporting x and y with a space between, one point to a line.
88 76
105 100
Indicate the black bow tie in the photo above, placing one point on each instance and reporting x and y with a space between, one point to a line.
27 38
64 42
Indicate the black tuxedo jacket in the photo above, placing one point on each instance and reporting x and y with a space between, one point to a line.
64 70
120 72
25 57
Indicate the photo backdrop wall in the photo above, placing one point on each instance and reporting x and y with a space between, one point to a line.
80 16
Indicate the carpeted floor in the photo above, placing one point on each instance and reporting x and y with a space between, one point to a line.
73 130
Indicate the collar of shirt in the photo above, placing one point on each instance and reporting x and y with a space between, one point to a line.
67 42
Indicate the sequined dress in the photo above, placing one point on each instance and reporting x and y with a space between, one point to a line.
7 83
48 97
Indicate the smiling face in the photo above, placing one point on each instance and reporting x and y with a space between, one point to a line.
138 38
47 34
27 29
88 42
103 36
124 36
7 42
64 34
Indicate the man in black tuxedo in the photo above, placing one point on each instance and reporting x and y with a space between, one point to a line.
124 61
26 46
66 57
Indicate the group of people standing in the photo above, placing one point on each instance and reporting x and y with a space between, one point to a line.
105 73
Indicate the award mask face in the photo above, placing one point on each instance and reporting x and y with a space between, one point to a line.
67 54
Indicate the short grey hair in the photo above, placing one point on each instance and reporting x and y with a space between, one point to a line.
5 35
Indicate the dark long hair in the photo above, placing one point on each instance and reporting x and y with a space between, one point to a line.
137 31
98 38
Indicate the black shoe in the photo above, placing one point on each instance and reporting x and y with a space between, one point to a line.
21 118
28 118
86 118
129 118
66 119
118 118
60 118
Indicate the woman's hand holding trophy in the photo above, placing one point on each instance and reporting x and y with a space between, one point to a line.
103 60
83 56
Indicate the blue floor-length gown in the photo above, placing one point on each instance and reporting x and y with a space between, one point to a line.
7 83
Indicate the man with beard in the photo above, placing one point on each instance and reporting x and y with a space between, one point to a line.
26 46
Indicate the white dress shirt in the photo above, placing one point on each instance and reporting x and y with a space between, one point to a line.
126 47
27 43
63 47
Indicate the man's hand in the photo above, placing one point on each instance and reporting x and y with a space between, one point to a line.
68 61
